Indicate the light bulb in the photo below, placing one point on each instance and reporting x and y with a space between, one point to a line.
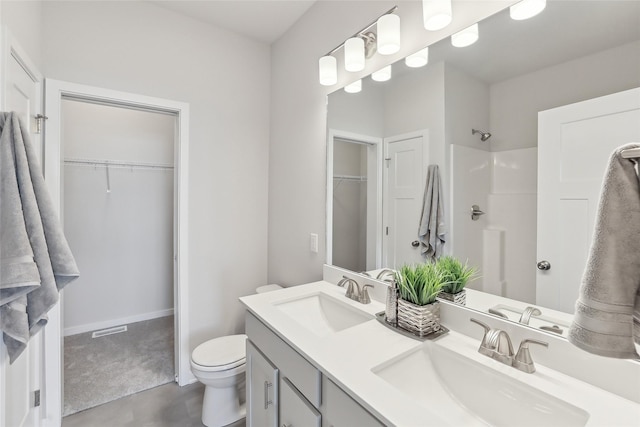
418 59
436 14
466 37
527 9
354 87
382 75
354 54
328 70
388 34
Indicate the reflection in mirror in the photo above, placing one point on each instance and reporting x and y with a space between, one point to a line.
533 85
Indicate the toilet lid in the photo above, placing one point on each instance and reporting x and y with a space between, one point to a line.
223 351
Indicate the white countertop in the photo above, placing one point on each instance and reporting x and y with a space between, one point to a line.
347 357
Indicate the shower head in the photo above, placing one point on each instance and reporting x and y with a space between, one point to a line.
483 135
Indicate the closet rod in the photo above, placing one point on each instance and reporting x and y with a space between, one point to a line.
133 165
350 178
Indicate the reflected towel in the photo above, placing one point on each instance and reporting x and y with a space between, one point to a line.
36 259
432 227
604 319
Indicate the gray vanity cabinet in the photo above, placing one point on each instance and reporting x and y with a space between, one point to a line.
295 409
303 397
340 410
262 389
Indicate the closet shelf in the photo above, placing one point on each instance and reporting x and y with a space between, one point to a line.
118 164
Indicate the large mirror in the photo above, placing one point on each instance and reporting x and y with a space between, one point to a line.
532 90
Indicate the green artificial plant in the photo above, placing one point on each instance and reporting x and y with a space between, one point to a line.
419 283
455 274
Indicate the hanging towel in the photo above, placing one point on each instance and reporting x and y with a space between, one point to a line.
36 262
432 228
603 323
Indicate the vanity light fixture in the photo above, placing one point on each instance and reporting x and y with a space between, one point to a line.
382 75
328 70
418 59
466 37
354 87
362 46
388 34
437 14
527 9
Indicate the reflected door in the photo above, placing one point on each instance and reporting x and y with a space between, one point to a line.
574 145
405 168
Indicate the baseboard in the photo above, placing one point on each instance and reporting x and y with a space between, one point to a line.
74 330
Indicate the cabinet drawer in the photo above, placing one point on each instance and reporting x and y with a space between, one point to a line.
295 411
302 374
340 410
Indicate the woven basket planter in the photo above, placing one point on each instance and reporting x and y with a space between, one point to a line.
457 298
420 320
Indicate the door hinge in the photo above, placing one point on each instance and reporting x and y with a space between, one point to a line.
36 398
39 119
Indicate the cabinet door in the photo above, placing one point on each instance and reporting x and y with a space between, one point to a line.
340 410
262 390
295 410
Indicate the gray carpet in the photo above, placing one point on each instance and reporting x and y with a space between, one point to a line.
99 370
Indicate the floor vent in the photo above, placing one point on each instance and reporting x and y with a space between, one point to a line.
109 331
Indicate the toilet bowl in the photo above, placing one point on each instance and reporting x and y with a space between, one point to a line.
219 364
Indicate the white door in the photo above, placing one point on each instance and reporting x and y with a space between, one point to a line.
22 90
405 174
574 145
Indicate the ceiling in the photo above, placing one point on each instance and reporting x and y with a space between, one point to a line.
261 20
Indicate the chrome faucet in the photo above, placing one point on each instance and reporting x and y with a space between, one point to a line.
497 345
384 273
364 295
527 313
523 360
353 290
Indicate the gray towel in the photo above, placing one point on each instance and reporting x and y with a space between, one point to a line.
35 258
604 319
432 228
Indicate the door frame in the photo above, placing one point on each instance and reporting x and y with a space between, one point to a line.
11 48
356 138
55 92
426 154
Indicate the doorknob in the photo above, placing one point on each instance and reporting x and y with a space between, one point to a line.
415 243
544 265
476 212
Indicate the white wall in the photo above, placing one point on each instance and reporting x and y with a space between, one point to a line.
470 172
122 239
298 118
143 48
515 102
25 19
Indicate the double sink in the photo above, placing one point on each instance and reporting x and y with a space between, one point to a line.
441 374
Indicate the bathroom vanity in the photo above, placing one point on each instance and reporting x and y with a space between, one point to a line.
316 358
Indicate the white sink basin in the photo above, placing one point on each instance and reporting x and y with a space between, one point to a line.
321 314
467 392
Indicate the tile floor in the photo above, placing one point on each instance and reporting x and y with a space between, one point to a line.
168 405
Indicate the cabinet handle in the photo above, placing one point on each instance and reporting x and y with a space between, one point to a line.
267 401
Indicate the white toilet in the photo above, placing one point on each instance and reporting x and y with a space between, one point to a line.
219 364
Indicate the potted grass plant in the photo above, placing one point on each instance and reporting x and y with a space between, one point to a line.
455 277
418 308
